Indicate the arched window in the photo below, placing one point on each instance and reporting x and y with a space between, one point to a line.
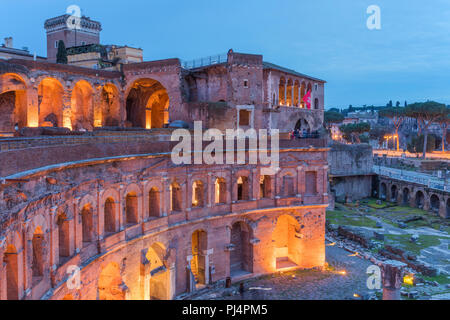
197 194
242 191
63 236
316 103
175 197
282 92
220 188
288 186
37 264
265 186
87 222
12 269
131 209
110 216
153 203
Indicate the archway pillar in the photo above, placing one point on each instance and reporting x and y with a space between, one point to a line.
32 108
165 208
66 109
97 106
300 181
53 244
2 271
442 208
426 202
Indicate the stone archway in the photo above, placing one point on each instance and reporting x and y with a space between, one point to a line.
147 104
13 103
435 203
420 199
82 106
286 244
383 190
303 124
199 245
394 193
110 108
159 281
50 96
241 256
448 208
405 196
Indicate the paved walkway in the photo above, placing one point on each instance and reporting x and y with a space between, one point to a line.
313 284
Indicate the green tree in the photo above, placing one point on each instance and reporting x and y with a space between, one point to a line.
333 117
426 113
397 115
444 122
61 55
352 132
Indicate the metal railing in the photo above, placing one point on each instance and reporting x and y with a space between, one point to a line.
415 177
203 62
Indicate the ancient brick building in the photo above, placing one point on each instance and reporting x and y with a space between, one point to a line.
100 211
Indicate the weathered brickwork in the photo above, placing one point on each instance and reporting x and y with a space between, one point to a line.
106 199
59 205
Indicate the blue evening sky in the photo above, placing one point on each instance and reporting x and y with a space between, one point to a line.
408 59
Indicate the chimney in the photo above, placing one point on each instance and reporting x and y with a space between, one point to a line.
9 42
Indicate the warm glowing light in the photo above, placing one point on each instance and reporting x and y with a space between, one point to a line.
408 279
353 255
342 272
356 295
331 244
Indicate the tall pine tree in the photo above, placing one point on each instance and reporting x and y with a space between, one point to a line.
61 56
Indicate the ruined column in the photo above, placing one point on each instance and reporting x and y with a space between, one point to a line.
66 112
32 111
392 272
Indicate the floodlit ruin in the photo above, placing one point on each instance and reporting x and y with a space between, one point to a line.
92 207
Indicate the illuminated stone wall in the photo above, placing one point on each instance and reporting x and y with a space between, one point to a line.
147 257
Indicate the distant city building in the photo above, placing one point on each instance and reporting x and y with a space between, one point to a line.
7 51
366 117
99 56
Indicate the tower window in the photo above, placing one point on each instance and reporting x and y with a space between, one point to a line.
56 44
245 83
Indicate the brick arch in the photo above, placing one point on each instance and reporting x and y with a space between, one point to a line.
50 101
199 192
435 202
37 221
87 213
13 102
419 198
133 204
241 257
12 260
82 105
111 106
110 210
287 245
447 209
147 103
246 189
283 185
393 192
153 199
406 196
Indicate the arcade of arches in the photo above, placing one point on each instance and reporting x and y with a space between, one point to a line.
147 105
80 105
132 243
415 196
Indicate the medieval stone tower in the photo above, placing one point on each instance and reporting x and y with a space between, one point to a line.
73 34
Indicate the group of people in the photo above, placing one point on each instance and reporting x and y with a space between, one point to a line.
302 133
